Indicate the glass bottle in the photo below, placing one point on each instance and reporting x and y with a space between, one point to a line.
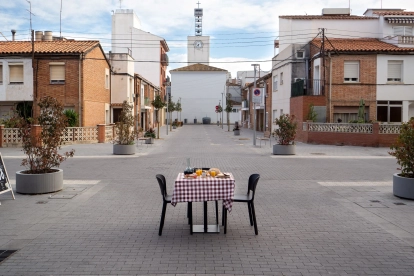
188 170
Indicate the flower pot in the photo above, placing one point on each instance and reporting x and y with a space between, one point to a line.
123 149
402 186
284 149
39 183
236 132
150 140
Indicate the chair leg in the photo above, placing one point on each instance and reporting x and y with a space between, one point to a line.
164 208
250 213
190 207
217 212
222 215
254 219
188 212
225 220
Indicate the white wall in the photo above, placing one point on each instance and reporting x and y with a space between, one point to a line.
395 92
145 46
121 88
200 92
302 31
17 92
281 96
198 55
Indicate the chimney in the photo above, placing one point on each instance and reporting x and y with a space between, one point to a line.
13 34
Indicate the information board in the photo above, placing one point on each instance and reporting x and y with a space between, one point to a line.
4 179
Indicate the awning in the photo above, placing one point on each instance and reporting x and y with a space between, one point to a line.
401 20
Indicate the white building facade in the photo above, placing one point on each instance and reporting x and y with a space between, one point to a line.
16 83
199 88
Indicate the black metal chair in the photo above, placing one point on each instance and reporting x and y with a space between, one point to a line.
165 199
247 198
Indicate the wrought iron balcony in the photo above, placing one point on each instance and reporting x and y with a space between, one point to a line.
307 87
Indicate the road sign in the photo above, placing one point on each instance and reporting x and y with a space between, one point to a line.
257 98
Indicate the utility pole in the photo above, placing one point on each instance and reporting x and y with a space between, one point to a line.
322 54
254 107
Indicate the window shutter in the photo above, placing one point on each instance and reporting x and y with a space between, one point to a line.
351 71
394 70
399 30
408 30
16 73
57 72
1 73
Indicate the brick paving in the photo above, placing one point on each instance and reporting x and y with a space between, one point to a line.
329 210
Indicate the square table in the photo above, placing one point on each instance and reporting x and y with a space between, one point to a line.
203 189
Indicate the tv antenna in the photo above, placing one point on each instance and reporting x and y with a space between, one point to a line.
120 3
61 18
30 12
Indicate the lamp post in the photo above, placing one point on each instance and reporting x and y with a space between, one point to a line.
254 107
218 114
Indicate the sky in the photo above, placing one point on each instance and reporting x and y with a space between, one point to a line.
241 32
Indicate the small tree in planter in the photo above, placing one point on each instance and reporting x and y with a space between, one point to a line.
125 132
228 109
73 117
403 150
150 134
158 104
285 134
41 175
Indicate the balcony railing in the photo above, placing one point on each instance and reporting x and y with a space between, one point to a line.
245 104
306 87
405 39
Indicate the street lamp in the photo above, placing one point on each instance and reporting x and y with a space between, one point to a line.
254 106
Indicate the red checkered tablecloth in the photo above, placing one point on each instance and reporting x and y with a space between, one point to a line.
204 189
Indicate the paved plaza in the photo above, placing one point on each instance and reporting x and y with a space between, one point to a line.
329 210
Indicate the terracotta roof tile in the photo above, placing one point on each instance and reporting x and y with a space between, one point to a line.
359 45
336 17
47 47
198 67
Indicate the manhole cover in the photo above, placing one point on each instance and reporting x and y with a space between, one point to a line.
244 139
4 254
375 201
41 202
399 203
66 196
317 153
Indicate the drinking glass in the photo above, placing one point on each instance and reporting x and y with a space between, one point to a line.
213 173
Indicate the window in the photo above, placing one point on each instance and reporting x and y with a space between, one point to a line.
16 73
275 78
351 71
281 78
57 72
394 72
106 78
300 54
389 111
403 30
1 73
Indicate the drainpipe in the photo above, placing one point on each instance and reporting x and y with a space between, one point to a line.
330 88
80 90
265 97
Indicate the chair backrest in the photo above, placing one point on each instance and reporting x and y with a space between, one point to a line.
253 180
163 185
266 134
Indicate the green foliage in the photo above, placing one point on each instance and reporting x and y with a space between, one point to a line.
158 104
125 133
311 114
150 133
286 131
403 149
220 109
42 151
229 104
72 116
